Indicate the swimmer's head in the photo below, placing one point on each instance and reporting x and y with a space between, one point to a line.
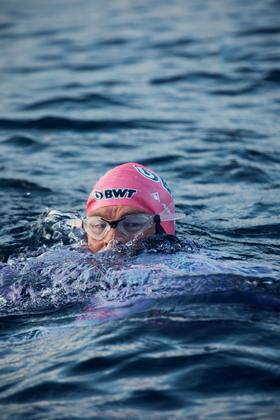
129 196
133 185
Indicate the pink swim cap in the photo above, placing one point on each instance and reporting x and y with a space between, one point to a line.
134 185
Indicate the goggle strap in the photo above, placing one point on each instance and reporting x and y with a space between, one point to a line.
159 228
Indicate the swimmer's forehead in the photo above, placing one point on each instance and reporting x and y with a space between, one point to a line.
114 212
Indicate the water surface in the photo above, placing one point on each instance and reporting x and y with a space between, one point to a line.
190 89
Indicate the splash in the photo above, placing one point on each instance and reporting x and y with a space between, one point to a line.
60 271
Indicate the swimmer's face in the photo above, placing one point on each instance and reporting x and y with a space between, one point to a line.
114 236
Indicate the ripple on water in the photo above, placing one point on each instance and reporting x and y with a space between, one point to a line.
193 76
264 30
273 76
186 331
27 144
22 184
268 230
60 123
89 99
237 171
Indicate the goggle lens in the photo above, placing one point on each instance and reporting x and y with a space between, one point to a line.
96 227
130 225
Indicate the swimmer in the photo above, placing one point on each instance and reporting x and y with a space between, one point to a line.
128 203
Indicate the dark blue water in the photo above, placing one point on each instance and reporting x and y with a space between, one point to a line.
164 329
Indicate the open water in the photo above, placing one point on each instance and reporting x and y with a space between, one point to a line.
165 329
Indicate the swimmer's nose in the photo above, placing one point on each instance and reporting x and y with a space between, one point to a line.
112 239
111 244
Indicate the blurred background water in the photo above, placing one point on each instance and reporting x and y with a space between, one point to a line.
190 89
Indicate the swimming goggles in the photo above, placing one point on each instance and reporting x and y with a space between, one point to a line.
130 225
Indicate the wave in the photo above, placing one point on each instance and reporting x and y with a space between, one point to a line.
236 92
178 42
22 184
61 123
234 170
114 41
260 156
45 389
170 158
86 67
273 76
5 25
55 276
23 141
245 173
30 69
92 99
265 30
202 75
230 135
267 230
